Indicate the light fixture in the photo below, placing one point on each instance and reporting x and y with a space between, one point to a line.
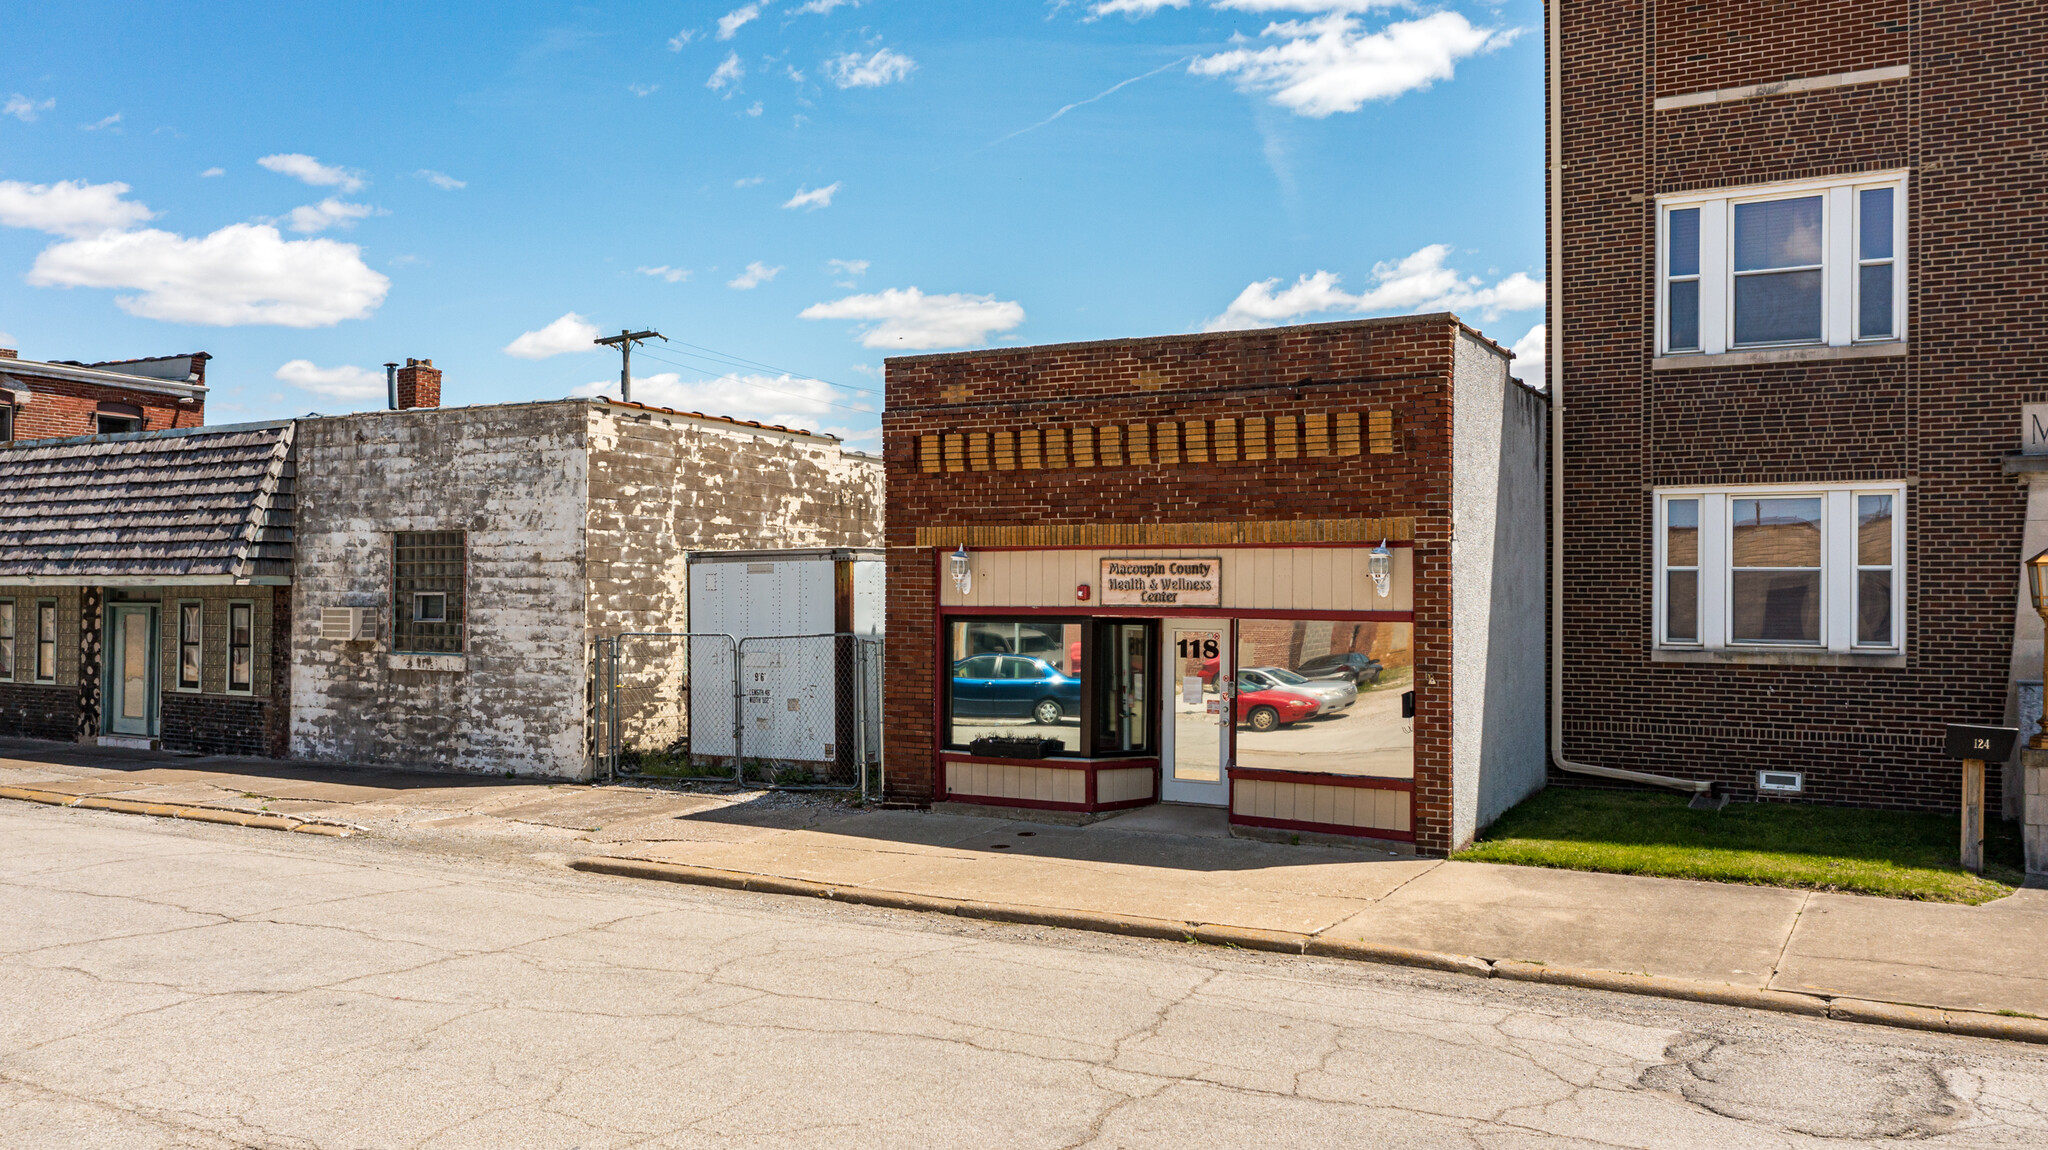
2037 587
963 573
1381 564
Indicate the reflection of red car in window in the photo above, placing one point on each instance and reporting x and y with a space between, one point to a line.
1263 709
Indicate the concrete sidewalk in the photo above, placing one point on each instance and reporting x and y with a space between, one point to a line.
1177 864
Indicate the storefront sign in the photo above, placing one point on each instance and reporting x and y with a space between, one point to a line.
1162 582
2034 429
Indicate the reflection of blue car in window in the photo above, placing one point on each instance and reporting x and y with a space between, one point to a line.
1015 687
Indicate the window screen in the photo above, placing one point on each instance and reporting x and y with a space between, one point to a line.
428 603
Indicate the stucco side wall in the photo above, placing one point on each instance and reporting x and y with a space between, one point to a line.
1497 590
662 484
515 479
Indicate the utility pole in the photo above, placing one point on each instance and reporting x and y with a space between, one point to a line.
624 341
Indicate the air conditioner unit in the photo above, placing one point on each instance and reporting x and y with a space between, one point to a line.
348 624
1781 782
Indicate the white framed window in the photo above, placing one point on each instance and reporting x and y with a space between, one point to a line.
1807 263
1781 568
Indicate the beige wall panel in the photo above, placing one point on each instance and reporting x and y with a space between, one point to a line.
1346 806
1123 785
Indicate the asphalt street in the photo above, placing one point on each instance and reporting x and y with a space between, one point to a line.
172 984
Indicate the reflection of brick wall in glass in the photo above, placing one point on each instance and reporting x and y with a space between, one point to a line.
428 605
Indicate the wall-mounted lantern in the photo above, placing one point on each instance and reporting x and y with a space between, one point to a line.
963 571
1381 565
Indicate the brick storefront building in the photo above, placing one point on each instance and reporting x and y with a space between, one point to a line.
1797 259
56 400
1096 551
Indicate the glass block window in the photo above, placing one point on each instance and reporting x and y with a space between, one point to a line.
429 604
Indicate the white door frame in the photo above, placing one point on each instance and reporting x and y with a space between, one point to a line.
1215 792
114 689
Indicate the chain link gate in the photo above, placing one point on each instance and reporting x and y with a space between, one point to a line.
666 706
782 711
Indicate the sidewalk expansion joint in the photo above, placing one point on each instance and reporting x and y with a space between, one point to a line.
191 812
1967 1023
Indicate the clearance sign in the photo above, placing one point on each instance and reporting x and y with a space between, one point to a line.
1162 582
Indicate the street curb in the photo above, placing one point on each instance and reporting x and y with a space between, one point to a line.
189 812
1659 986
1967 1023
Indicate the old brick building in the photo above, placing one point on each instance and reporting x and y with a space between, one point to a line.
55 400
1796 257
1113 565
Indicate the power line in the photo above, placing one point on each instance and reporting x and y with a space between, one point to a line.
625 342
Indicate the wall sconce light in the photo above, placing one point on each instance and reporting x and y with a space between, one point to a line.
1381 565
963 573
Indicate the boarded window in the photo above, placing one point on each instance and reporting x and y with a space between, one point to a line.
427 579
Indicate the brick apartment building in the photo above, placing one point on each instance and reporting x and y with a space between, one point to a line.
1098 551
60 399
1797 263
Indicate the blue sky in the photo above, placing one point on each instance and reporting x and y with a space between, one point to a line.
790 191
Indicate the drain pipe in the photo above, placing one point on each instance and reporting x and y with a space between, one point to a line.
391 387
1700 789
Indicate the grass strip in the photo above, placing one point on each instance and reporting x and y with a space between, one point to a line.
1895 854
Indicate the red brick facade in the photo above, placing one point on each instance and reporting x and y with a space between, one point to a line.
1309 377
1939 418
59 408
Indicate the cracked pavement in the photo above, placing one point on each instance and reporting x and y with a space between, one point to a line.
168 984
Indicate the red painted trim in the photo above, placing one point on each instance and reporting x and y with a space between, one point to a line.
1184 613
1316 778
1064 763
1324 828
1391 544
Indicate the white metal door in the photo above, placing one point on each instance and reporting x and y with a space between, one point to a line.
1198 674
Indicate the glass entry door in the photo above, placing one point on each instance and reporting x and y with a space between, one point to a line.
1198 676
131 647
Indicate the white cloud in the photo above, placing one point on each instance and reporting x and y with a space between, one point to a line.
791 401
346 381
570 333
1309 5
824 7
643 89
851 269
730 23
1329 64
1419 283
69 207
755 108
852 70
308 170
1132 8
665 272
757 273
212 172
1530 356
241 274
328 213
814 198
108 122
749 181
441 180
681 40
908 319
728 75
24 109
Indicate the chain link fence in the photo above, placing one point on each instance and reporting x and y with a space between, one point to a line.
783 711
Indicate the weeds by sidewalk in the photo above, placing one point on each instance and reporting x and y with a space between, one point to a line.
1897 854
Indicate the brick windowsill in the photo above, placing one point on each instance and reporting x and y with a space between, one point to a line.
1779 355
1771 658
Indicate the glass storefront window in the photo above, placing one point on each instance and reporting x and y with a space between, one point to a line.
1123 698
1329 696
1016 678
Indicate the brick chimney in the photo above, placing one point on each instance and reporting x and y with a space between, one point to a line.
9 353
419 384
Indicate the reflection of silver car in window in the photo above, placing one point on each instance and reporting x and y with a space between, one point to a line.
1333 694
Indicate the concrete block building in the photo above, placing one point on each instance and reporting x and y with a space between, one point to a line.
457 565
1793 250
1295 573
